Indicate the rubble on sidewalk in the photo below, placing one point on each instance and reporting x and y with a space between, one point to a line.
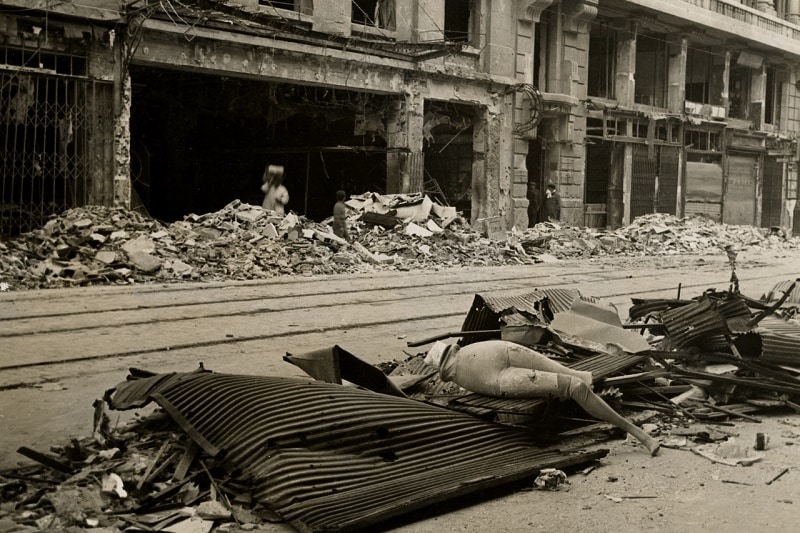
103 245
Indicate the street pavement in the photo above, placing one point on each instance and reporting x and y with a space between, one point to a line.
60 349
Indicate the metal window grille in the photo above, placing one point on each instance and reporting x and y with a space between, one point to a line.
54 145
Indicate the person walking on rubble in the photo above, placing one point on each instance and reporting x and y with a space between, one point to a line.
340 217
508 370
276 196
552 203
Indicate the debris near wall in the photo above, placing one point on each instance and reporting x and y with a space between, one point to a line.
651 235
101 245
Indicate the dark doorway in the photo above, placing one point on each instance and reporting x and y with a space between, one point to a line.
535 163
598 174
199 142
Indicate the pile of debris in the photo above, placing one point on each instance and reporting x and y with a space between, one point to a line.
361 444
649 235
100 245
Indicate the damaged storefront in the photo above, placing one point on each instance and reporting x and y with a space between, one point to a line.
204 95
58 95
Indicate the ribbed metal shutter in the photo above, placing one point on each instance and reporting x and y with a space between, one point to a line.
771 206
668 171
739 201
643 181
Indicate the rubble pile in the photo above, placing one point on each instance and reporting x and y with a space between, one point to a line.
212 458
654 234
141 477
102 245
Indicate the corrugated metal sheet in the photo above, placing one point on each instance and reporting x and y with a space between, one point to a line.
692 324
641 308
334 458
486 309
777 292
780 341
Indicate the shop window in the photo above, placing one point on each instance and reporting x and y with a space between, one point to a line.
602 61
651 70
707 141
457 20
378 13
773 100
698 76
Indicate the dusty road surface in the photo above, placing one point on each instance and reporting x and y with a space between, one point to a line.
61 349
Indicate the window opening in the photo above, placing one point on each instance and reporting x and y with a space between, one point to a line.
739 92
602 60
651 70
378 13
279 4
698 76
772 100
457 20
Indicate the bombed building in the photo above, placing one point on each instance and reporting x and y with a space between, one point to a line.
629 107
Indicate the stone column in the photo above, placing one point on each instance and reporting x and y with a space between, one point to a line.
720 74
676 91
332 16
428 20
497 56
793 11
624 87
491 165
404 130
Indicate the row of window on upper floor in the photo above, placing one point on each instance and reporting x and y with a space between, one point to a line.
455 23
748 75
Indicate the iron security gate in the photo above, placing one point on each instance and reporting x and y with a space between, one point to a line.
654 180
772 204
739 201
55 146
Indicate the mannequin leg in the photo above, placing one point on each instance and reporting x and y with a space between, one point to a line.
569 387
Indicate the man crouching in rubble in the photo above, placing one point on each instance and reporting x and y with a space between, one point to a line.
508 370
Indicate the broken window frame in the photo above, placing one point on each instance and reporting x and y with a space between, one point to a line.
700 140
699 74
773 95
657 95
457 27
378 14
602 61
541 50
739 98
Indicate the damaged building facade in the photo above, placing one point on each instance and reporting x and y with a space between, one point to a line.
629 107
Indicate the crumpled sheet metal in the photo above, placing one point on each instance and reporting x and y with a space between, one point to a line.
487 309
780 341
599 324
334 364
693 324
780 288
335 458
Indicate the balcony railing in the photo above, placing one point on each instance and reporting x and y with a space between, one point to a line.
736 10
